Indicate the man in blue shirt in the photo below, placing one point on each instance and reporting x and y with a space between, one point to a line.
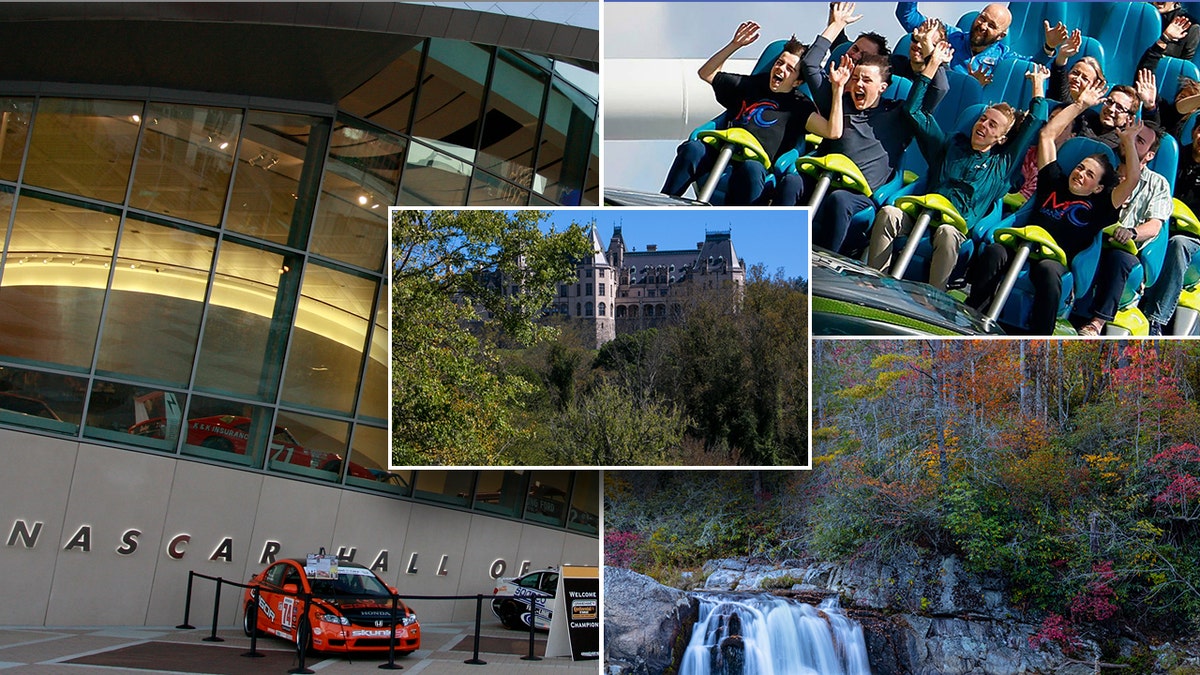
977 52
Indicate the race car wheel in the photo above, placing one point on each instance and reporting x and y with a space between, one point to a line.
249 619
510 616
217 443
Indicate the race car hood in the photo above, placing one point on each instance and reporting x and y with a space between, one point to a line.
849 298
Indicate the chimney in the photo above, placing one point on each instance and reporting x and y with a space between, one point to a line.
651 247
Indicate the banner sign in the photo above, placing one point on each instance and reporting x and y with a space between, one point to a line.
577 603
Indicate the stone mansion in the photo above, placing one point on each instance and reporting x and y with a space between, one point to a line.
622 289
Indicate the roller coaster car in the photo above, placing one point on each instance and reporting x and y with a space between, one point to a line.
849 298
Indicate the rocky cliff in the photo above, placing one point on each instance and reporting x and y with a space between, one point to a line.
925 616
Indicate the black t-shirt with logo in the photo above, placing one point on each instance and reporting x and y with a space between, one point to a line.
1187 179
777 120
1072 220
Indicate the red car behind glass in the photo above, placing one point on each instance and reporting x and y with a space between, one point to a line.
349 613
230 433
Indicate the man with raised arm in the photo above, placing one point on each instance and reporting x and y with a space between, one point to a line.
977 52
1162 298
767 105
1141 220
1072 207
874 132
970 170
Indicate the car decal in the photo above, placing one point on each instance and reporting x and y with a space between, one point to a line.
266 609
287 613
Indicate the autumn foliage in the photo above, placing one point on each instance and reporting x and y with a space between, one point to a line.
1070 469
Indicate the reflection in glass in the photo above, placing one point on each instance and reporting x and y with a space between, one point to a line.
15 114
142 416
314 446
387 98
242 348
153 316
84 147
451 487
501 492
41 400
585 503
54 278
359 184
511 120
369 460
487 190
230 432
452 91
567 136
185 160
374 401
325 358
432 178
547 498
270 165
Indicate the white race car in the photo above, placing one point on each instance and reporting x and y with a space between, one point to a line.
533 589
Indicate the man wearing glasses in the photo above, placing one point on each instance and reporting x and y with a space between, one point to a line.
1117 110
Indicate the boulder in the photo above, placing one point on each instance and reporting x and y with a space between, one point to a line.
646 624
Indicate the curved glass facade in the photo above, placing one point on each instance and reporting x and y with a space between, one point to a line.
484 126
207 280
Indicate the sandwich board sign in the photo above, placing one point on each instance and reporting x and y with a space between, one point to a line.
575 623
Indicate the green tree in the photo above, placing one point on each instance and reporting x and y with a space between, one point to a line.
457 277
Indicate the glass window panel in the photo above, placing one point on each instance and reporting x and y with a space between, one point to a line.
374 402
41 400
501 492
244 332
433 178
369 460
511 119
143 416
153 315
585 503
451 96
447 486
487 190
325 358
359 184
387 98
54 279
314 447
185 160
547 497
567 135
591 187
231 432
270 163
15 114
84 147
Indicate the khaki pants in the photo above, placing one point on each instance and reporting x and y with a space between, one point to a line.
891 222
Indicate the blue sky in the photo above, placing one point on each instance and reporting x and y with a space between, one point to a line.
776 238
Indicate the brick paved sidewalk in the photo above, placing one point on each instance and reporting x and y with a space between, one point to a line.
138 650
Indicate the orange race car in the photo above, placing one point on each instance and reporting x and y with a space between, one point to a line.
350 612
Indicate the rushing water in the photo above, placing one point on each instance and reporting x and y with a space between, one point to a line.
768 635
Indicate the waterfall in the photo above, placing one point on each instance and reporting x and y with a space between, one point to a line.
762 634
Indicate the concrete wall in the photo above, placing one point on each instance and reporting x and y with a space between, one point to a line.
117 532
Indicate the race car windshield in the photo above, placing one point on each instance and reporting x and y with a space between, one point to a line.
352 582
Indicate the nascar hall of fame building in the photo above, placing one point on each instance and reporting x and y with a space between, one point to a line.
193 301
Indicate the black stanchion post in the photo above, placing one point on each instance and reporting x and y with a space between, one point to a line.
302 632
474 660
253 623
216 612
532 627
187 606
391 662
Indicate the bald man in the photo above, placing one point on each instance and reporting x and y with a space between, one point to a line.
978 51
